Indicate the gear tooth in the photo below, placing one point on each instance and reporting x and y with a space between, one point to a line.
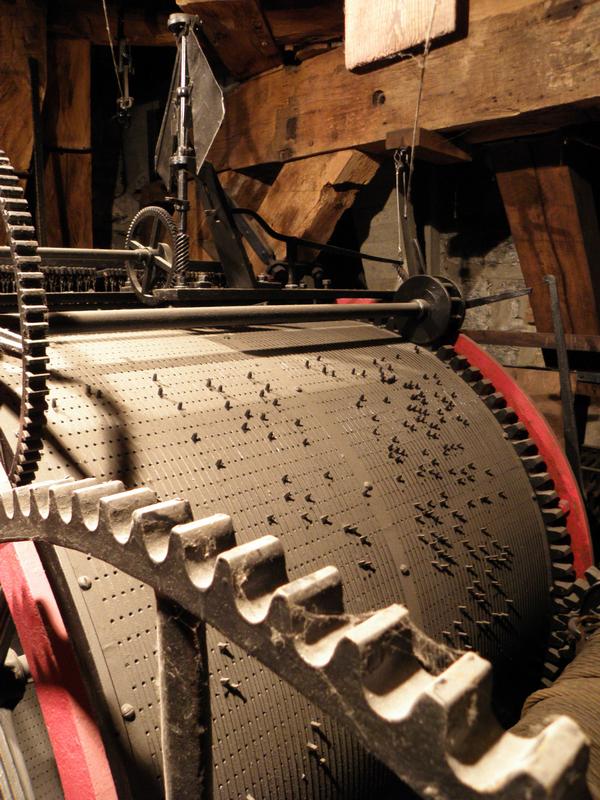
557 534
319 594
525 447
553 516
198 543
495 401
459 364
506 416
516 430
464 691
534 463
86 501
561 553
61 497
484 387
592 575
382 642
471 374
547 497
116 511
251 573
152 525
445 353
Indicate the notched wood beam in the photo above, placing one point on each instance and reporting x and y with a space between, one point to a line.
239 33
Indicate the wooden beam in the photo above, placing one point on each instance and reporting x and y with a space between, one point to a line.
511 63
141 26
67 131
381 30
22 36
552 216
239 33
307 22
429 146
575 342
308 197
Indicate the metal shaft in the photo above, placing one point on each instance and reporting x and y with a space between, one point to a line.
566 394
233 315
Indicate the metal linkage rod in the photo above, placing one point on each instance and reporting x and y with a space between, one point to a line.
184 703
64 255
232 315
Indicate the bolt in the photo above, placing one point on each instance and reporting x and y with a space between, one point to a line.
180 406
325 519
195 437
160 391
155 377
227 405
328 476
271 519
270 436
128 712
84 582
219 463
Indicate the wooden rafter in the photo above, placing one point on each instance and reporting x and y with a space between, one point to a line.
306 110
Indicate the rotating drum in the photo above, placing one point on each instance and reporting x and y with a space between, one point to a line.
402 467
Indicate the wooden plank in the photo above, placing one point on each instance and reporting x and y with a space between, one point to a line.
308 197
306 22
22 35
141 26
69 199
381 30
67 132
552 216
429 146
239 33
575 342
320 107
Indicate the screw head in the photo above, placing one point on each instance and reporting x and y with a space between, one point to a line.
84 582
128 712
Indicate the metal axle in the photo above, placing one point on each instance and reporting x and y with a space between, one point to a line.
229 316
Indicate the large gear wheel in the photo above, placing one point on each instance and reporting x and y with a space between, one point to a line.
153 227
20 458
420 707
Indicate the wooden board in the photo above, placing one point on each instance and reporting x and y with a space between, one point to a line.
305 22
308 197
69 199
552 216
239 33
382 29
320 106
22 35
429 146
141 26
67 132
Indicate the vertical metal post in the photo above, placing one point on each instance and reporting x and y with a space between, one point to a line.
566 394
184 704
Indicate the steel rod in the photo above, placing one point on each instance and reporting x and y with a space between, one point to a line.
66 254
223 315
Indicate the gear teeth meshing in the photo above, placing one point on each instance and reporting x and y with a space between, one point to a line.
368 671
553 516
33 312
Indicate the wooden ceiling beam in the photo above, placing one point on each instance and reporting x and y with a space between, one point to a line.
514 62
239 33
76 20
